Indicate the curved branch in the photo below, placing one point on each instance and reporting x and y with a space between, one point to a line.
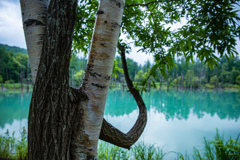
113 135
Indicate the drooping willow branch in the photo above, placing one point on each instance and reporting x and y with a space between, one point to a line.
111 134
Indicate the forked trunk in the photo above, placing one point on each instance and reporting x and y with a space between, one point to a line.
65 123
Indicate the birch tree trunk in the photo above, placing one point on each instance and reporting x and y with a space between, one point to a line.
98 75
34 16
65 123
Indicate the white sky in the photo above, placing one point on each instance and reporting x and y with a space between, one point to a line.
11 30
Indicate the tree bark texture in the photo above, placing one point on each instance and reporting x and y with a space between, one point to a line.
65 123
98 74
52 114
34 17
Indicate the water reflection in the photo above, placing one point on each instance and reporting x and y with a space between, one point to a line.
226 105
176 120
13 107
178 104
16 126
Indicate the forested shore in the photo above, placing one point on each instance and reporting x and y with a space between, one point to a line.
15 73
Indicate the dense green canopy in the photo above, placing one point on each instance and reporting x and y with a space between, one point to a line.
211 29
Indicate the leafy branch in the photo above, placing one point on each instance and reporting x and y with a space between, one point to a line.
146 4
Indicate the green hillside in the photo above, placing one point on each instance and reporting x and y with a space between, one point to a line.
14 48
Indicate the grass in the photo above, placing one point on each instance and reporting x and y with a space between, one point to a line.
216 149
7 143
10 147
139 151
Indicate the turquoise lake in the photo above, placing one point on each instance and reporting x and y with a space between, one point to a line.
177 121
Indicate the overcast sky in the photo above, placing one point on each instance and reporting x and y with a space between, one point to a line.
11 29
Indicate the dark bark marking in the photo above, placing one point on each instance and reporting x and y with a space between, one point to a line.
89 67
105 21
91 157
92 60
99 86
99 12
41 37
118 4
30 22
102 44
95 74
115 25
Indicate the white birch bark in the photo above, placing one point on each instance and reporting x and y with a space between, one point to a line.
100 64
34 16
96 81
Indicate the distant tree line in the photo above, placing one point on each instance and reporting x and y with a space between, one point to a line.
13 48
14 68
185 75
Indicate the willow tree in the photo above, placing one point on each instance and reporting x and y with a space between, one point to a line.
66 123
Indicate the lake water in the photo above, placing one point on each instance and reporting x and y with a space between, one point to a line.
177 121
